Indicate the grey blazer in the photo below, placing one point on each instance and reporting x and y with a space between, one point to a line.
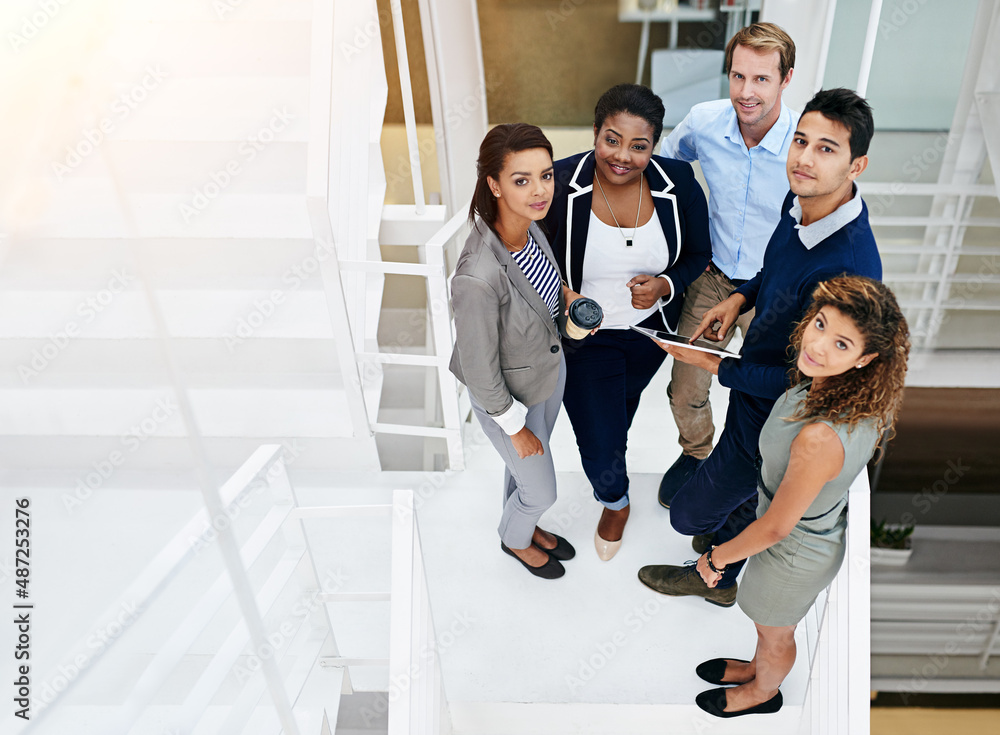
506 343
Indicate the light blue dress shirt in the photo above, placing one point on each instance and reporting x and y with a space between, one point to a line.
746 187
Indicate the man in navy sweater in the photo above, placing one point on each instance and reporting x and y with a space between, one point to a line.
823 232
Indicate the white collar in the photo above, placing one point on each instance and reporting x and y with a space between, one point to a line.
815 233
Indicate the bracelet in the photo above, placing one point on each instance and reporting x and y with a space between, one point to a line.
708 558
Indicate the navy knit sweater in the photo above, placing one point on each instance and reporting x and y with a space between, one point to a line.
781 291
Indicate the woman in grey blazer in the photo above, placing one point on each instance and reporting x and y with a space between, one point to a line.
507 296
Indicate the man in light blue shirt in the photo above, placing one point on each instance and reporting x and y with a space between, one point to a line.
742 144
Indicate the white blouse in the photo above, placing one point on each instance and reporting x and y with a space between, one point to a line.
608 264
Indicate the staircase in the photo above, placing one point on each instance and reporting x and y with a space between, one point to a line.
219 210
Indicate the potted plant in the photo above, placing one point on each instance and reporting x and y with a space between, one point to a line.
891 544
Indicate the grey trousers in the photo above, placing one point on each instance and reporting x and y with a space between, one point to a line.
689 385
529 483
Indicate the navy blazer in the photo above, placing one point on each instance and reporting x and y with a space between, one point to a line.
680 206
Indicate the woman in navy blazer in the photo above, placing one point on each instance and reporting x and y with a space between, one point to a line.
630 230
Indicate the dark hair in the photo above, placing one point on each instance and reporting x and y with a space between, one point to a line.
633 99
874 391
499 143
763 38
853 112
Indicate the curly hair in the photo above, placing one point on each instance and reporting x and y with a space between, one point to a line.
874 391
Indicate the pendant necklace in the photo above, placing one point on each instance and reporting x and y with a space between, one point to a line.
628 240
510 248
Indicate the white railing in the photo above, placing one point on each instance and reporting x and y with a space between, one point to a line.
838 631
264 470
434 267
416 698
419 706
927 313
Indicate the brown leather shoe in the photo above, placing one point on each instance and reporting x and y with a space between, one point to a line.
681 581
702 542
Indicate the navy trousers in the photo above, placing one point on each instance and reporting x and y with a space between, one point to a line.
721 497
605 376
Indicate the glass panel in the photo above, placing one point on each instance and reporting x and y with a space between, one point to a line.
918 63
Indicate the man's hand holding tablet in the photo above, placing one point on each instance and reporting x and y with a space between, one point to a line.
725 314
700 354
714 326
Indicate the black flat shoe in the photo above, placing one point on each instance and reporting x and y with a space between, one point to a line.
713 670
563 550
551 569
714 702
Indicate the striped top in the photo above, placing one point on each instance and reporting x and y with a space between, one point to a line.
540 273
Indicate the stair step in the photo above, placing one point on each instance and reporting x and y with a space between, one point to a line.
168 263
75 458
163 104
145 412
120 310
240 47
90 209
198 10
128 363
217 164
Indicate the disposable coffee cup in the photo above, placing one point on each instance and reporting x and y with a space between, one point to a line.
584 315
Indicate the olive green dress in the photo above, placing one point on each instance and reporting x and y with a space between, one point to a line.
781 583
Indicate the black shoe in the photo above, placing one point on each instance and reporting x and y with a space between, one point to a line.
679 473
714 702
551 569
563 550
701 543
714 670
680 581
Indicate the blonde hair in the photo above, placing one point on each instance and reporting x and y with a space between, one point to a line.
764 38
874 391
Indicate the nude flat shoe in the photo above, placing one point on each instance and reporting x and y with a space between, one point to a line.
606 549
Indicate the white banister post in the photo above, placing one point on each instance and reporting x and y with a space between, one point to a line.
400 614
824 49
409 117
859 593
869 50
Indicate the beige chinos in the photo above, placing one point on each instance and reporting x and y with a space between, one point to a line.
689 385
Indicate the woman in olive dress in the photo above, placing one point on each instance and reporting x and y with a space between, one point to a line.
851 350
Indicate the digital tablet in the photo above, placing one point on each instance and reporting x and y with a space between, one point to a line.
675 339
